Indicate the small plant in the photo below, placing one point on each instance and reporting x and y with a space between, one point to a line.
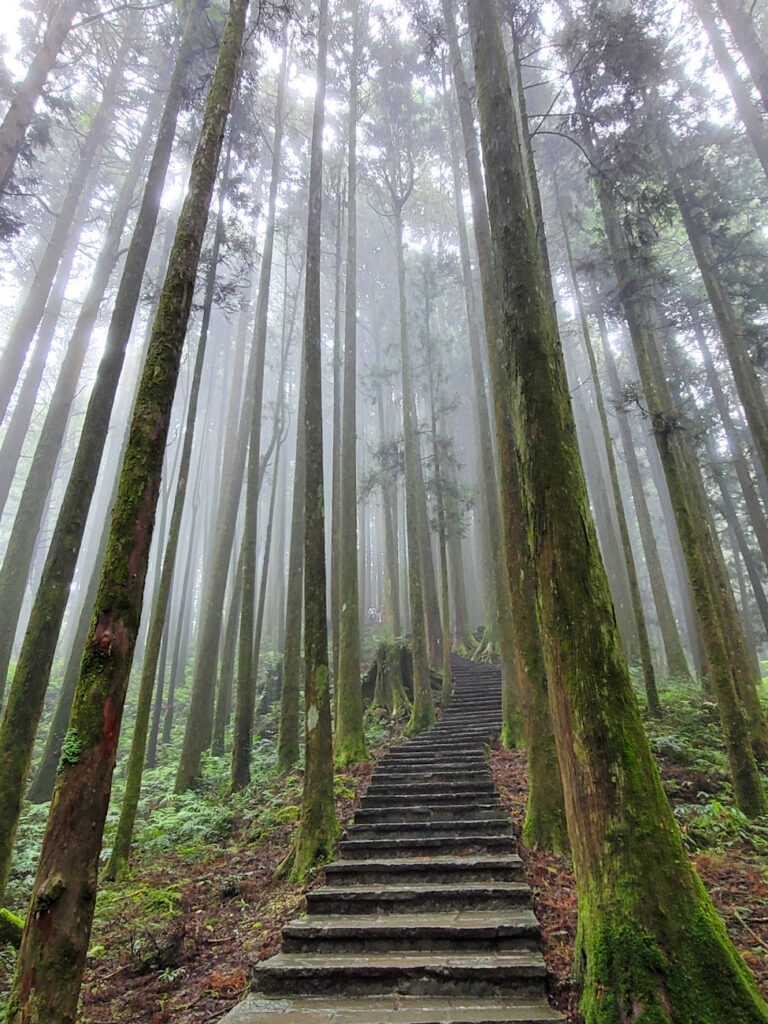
716 826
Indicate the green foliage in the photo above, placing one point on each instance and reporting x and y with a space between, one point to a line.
716 826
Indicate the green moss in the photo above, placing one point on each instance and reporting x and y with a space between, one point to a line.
629 977
11 928
71 749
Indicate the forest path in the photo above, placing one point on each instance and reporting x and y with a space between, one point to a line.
424 918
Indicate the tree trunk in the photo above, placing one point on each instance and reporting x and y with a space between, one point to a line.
118 864
545 815
677 667
246 678
422 712
55 942
749 114
649 938
649 680
31 311
349 740
22 109
746 38
317 830
54 425
25 700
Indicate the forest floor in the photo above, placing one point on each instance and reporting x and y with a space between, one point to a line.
176 942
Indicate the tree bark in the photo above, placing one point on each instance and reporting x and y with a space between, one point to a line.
649 938
55 942
349 739
317 829
25 700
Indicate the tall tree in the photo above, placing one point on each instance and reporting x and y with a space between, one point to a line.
21 111
317 831
33 668
349 740
650 942
55 942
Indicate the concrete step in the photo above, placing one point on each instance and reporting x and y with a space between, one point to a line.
390 1009
425 846
468 931
468 811
437 828
404 870
408 973
415 897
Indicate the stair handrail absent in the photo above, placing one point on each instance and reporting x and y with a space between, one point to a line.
425 910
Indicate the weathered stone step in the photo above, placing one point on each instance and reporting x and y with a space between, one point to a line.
397 897
428 762
409 973
465 930
389 777
473 744
469 811
433 798
438 828
425 846
475 867
391 1009
401 788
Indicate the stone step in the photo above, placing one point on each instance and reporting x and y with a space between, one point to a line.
408 973
476 867
465 931
399 897
469 811
435 798
498 825
400 788
472 744
390 1009
425 846
388 777
428 763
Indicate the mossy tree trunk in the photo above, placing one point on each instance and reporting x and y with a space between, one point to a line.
677 666
545 815
735 446
288 730
33 668
349 739
721 629
649 678
55 943
118 863
650 943
318 829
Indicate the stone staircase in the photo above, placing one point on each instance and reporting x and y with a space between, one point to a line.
424 918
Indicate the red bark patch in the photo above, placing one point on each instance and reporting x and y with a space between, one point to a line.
110 732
